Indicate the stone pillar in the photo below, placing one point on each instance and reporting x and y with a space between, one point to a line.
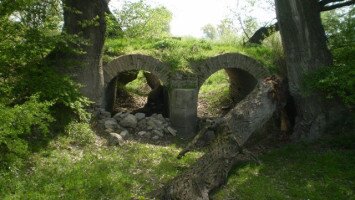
183 111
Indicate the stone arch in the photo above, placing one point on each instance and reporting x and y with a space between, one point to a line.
128 63
230 61
244 72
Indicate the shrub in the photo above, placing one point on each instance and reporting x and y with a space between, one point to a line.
334 82
18 123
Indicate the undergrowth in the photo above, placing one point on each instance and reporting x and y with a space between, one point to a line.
68 171
322 170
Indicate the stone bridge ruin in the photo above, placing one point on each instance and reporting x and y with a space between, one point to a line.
181 89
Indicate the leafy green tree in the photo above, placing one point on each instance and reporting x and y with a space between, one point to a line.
140 20
32 92
226 30
337 82
210 31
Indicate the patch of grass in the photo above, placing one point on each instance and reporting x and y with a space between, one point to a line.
215 91
139 85
93 172
80 133
296 171
179 52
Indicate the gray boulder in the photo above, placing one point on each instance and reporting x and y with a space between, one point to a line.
142 133
110 124
154 123
124 133
117 116
130 121
140 116
158 133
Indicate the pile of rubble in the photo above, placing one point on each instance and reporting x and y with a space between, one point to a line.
124 126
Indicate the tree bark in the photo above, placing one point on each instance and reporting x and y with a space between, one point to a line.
85 19
212 169
304 43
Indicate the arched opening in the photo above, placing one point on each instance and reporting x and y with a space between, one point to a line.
124 69
222 90
139 91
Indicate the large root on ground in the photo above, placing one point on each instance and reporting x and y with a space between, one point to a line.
211 170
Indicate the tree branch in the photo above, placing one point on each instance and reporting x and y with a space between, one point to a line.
262 33
325 2
339 5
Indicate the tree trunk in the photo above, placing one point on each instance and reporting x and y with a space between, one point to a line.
212 169
85 19
305 47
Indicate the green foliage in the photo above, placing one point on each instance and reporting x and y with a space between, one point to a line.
339 26
337 81
334 82
140 20
20 122
224 32
30 89
210 31
178 52
215 92
296 171
53 87
94 172
80 133
138 86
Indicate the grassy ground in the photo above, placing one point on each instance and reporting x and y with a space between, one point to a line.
66 170
296 171
179 52
214 94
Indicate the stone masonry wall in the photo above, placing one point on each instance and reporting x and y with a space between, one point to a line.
244 73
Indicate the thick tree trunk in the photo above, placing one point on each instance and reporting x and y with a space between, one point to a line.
305 47
85 19
212 169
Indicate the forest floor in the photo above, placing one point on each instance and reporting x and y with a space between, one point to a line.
66 170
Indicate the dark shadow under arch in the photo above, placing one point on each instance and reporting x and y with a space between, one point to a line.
131 62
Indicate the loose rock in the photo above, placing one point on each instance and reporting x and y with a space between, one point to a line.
155 137
116 139
129 121
140 116
111 124
158 133
124 133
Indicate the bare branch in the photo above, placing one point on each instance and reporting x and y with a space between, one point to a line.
339 5
325 2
